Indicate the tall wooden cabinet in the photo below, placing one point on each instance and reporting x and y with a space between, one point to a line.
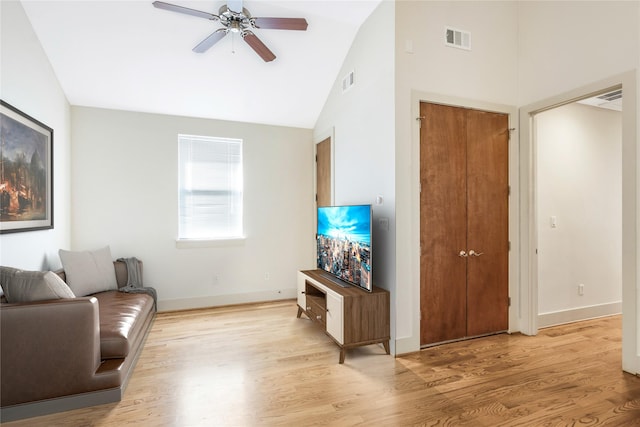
351 317
464 234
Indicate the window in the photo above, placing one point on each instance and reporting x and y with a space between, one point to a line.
210 188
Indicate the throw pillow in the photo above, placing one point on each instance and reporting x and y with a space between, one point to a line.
88 272
28 286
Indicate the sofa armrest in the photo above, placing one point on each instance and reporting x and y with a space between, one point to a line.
48 348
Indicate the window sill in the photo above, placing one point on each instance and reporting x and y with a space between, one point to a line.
209 243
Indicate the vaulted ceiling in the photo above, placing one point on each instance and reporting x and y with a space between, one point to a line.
129 55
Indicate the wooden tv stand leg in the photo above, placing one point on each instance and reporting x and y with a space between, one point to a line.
299 312
343 351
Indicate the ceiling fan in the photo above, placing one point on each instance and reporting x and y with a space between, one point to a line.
236 19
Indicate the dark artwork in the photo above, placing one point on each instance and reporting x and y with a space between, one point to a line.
25 192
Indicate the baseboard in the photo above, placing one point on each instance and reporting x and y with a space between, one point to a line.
229 299
60 404
576 314
406 346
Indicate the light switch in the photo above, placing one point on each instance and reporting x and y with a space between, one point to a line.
408 46
554 221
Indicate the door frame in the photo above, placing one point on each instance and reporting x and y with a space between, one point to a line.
528 231
416 98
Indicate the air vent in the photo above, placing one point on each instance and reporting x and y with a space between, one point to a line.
347 82
457 38
611 96
610 100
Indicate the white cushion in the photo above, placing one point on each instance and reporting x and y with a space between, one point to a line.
27 286
89 272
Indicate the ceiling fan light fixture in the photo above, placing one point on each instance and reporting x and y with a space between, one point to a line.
237 20
235 27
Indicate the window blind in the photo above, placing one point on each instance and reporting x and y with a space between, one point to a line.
210 187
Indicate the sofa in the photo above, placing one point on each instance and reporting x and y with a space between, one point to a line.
67 353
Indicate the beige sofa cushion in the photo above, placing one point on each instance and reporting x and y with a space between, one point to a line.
27 286
88 272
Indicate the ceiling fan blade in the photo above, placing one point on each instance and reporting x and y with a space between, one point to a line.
185 10
258 46
213 38
234 5
299 24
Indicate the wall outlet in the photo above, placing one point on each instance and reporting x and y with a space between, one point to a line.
580 289
266 276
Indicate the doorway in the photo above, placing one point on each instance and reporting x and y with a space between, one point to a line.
464 223
578 204
527 217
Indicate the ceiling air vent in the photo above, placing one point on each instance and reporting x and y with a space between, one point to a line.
457 38
347 82
610 100
611 96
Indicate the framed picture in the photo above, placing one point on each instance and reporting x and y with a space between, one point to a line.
26 172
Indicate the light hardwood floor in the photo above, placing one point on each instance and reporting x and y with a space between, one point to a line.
259 365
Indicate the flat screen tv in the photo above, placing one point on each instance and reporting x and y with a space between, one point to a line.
344 243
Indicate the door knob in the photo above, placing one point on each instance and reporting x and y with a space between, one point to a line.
462 254
474 253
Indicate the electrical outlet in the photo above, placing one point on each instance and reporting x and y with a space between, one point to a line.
580 289
266 276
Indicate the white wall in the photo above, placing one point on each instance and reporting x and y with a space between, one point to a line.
28 83
426 68
579 182
363 121
124 187
566 45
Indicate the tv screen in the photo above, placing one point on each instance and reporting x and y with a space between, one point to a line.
344 243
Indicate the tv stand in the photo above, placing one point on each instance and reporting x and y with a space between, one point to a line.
352 317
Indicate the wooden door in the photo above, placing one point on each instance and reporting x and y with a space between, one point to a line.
464 208
443 217
487 222
323 173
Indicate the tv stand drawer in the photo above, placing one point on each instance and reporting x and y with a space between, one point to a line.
317 309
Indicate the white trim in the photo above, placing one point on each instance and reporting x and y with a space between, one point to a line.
228 299
576 314
209 243
405 346
630 196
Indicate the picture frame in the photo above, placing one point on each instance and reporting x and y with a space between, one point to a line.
26 172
